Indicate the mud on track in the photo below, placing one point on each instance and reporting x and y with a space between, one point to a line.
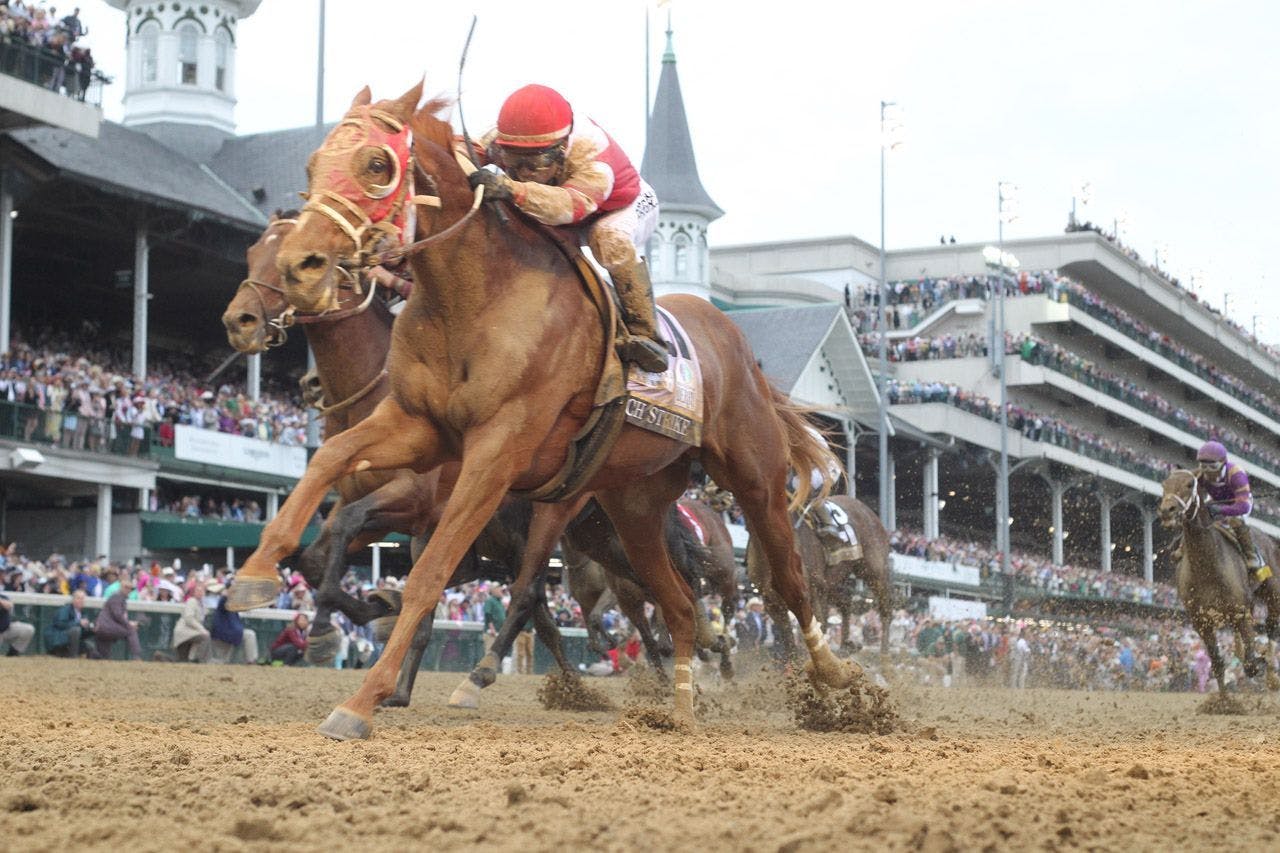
151 757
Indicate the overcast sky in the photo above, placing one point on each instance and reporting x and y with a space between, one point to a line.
1168 108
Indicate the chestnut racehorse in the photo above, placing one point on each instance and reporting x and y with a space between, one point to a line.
495 362
351 344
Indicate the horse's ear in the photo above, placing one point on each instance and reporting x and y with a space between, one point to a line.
405 105
363 98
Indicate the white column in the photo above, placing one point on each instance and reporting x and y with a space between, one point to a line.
141 258
930 488
892 492
6 259
375 566
1104 503
231 557
273 505
253 383
102 528
144 500
1059 489
1148 553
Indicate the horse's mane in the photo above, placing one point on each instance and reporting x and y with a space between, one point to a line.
427 126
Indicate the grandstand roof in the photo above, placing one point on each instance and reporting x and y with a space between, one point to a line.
274 163
788 342
129 163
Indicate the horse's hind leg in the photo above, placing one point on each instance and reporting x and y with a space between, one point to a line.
638 513
1243 625
761 493
409 668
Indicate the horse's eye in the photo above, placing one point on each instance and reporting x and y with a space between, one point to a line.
378 166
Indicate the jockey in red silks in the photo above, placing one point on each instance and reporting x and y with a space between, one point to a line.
1231 498
565 172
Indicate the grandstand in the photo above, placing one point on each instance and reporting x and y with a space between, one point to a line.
1116 374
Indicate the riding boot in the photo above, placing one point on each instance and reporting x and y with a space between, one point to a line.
642 345
1253 557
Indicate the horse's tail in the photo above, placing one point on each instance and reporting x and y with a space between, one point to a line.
807 451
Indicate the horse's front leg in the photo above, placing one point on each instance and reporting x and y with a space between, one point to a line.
494 458
389 438
1243 625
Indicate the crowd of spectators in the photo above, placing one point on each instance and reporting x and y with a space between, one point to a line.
1126 654
1033 425
219 509
1035 351
924 348
1036 571
63 391
40 46
1173 280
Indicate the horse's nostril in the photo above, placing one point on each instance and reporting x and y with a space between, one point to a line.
313 261
247 320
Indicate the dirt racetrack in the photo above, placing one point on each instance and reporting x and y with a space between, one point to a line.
152 756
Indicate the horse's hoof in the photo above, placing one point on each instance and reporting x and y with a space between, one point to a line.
833 673
703 655
484 676
726 670
395 700
466 695
322 649
345 725
252 593
382 628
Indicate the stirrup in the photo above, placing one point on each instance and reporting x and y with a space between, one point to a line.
644 352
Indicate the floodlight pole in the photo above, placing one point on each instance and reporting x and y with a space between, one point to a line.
886 515
1002 487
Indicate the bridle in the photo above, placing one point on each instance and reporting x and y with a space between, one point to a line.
279 324
390 209
1190 506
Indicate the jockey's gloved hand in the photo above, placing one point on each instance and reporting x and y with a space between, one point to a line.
497 186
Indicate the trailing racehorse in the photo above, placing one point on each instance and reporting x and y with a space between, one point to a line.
832 584
1213 581
495 363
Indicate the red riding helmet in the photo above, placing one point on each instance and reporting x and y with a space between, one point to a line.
534 117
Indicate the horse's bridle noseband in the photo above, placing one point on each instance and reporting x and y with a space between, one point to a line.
1190 506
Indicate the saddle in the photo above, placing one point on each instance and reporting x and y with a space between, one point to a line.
668 403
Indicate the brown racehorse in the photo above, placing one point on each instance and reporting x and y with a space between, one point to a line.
495 362
1213 581
832 585
350 346
411 503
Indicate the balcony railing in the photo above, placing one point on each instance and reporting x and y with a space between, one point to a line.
52 70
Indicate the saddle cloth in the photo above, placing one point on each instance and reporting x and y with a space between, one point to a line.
692 521
844 546
669 403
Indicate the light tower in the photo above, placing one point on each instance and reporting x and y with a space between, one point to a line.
180 77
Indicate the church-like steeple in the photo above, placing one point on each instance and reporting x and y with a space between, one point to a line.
678 254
